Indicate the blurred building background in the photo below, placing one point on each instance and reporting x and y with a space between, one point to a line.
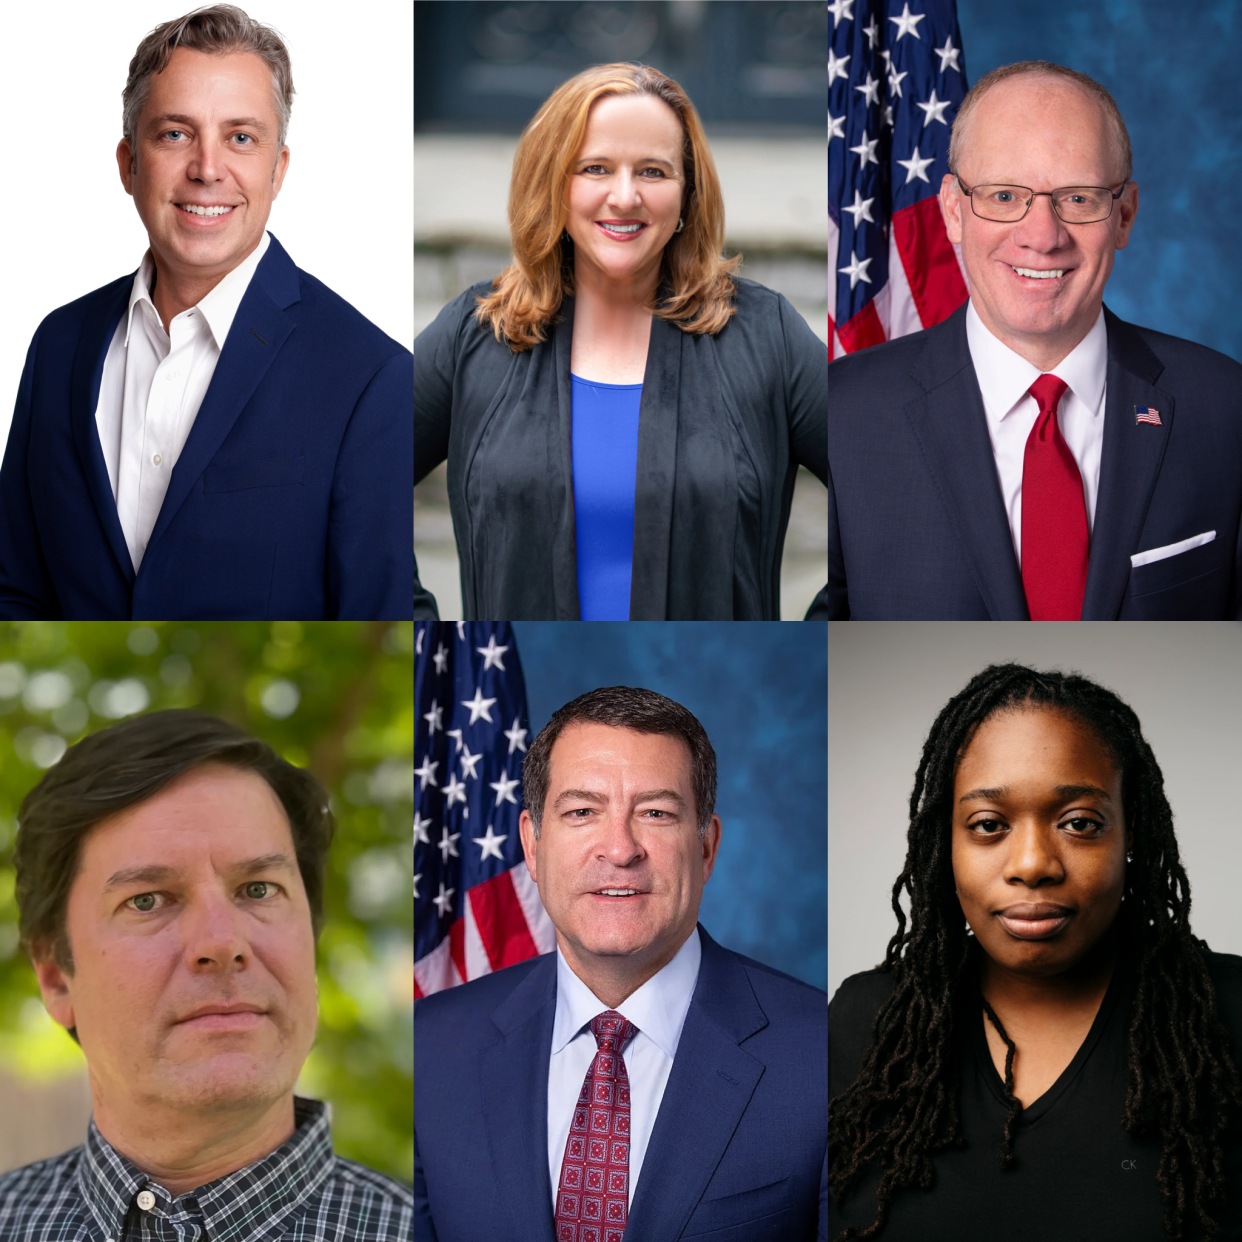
757 73
334 697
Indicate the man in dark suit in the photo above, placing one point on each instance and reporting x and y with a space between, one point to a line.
217 435
1034 457
664 1086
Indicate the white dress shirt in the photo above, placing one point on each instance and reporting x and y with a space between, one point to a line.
153 384
658 1009
1004 378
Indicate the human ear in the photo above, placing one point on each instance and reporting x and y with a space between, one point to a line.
55 986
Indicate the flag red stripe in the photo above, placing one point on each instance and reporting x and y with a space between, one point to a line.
929 261
501 922
863 330
457 946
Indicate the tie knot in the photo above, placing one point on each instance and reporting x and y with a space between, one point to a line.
1048 391
612 1031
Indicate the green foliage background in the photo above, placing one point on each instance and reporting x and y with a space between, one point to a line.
335 697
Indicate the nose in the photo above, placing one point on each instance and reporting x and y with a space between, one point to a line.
206 161
213 935
1033 858
1041 228
624 193
617 842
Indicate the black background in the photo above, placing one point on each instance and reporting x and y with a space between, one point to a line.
344 211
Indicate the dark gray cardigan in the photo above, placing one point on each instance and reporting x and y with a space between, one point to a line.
724 423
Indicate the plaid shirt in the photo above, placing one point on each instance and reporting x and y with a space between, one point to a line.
301 1192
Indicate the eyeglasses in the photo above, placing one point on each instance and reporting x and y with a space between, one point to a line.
1075 204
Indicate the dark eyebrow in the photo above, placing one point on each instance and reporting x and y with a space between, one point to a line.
251 122
157 873
1065 791
586 795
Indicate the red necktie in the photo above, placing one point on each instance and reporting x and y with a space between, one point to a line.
593 1198
1054 515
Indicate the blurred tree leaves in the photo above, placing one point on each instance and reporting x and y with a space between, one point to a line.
335 697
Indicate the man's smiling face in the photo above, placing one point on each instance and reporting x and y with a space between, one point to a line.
207 161
1043 133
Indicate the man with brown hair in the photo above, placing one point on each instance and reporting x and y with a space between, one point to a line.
170 889
1035 457
217 434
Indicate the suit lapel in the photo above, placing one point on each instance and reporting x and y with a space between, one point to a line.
88 364
1129 465
950 426
566 605
709 1087
259 329
657 471
513 1082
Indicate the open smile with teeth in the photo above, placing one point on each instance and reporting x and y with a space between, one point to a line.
195 210
1034 272
618 892
620 228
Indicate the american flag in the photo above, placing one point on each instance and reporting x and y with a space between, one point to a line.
1147 414
476 908
895 79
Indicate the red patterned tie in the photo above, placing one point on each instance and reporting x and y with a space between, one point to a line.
1054 515
592 1200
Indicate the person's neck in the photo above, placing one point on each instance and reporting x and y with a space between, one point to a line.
1032 999
175 289
182 1151
1042 351
610 303
615 977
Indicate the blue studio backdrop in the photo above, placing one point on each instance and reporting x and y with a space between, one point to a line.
1173 70
760 691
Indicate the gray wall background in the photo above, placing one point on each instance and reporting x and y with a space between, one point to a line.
1173 70
887 680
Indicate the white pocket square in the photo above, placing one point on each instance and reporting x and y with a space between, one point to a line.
1171 549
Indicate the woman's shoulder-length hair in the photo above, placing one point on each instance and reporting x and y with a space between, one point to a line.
695 277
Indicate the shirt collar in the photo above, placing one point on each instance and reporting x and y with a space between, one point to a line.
1004 376
239 1206
218 308
658 1008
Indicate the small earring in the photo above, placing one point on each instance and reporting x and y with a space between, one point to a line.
681 224
1129 857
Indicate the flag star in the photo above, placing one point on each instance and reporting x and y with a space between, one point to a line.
416 880
461 631
907 23
948 56
454 791
915 165
836 127
427 773
455 734
444 902
894 82
420 829
469 761
435 718
446 846
479 706
870 89
841 9
836 67
504 789
857 270
516 736
888 115
866 151
872 32
491 844
418 641
440 659
888 59
861 210
934 108
491 654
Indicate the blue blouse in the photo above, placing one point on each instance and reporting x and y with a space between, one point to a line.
605 464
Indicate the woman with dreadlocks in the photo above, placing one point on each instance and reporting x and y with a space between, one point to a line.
1047 1052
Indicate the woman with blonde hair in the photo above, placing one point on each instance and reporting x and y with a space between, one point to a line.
622 416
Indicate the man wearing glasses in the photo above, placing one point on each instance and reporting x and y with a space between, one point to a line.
1035 457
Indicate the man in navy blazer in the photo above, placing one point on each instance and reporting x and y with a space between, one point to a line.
725 1088
217 435
944 473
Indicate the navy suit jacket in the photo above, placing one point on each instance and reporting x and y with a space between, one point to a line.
916 525
739 1152
293 495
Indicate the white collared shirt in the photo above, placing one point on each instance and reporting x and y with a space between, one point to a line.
153 384
1004 378
658 1009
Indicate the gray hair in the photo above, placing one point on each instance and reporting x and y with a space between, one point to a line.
217 29
1041 68
624 707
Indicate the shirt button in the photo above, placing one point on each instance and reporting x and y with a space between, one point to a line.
146 1200
172 375
155 461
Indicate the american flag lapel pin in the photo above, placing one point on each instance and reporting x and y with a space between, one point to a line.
1147 414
